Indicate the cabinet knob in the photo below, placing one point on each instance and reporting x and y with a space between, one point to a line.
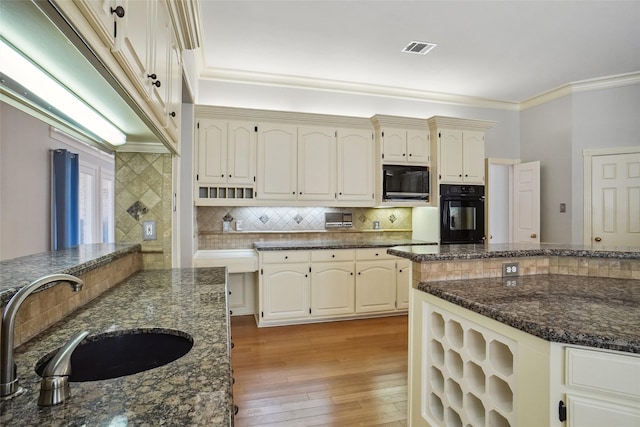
333 256
351 274
286 257
460 175
533 235
172 114
410 154
403 154
119 11
466 174
359 273
598 239
152 76
399 271
156 83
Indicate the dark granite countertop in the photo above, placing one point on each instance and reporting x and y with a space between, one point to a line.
419 253
18 272
194 390
589 311
289 245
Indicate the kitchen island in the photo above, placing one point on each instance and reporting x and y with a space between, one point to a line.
557 344
193 390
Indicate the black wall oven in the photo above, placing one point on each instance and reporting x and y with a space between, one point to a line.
461 214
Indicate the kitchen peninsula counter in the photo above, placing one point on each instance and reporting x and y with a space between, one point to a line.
194 390
18 272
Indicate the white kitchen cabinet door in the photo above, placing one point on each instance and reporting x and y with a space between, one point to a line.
473 157
160 55
316 163
450 156
355 165
332 288
418 147
277 162
285 291
375 286
212 151
394 145
135 43
241 148
403 283
98 13
174 101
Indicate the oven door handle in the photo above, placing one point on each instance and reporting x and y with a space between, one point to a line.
445 215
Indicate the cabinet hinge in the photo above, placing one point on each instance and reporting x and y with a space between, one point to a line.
261 271
254 179
382 133
255 129
197 177
562 411
382 155
336 134
309 310
198 125
262 314
309 269
115 29
439 176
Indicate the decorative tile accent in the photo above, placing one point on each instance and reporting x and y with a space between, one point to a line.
264 219
137 209
392 218
362 218
298 219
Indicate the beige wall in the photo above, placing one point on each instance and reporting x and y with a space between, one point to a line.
145 178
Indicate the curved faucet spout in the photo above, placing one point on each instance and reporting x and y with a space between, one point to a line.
8 375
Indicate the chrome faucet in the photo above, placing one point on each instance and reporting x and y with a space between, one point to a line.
54 387
8 375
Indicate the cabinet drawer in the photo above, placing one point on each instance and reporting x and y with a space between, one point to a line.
332 255
603 372
280 257
373 254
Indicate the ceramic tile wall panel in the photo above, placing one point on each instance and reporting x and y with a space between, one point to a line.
43 309
573 266
143 192
299 218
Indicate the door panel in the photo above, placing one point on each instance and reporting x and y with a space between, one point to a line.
526 202
615 203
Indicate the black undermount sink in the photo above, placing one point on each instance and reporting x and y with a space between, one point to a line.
121 353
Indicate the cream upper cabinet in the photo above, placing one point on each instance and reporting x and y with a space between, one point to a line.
241 152
277 161
133 44
226 152
158 65
461 156
174 101
212 152
316 163
355 165
105 15
405 146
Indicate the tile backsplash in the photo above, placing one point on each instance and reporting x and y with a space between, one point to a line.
296 223
284 219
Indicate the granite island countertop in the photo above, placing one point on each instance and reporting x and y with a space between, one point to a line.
194 390
588 311
420 253
288 245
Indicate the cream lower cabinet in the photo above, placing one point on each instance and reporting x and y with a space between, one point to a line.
403 283
241 287
284 285
598 387
375 280
332 288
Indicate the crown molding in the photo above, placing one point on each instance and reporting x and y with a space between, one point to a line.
607 82
281 80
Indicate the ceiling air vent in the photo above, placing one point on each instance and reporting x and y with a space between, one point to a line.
419 47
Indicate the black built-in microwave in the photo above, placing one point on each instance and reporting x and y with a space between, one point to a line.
405 182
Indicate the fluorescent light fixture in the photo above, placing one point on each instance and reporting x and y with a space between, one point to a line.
27 74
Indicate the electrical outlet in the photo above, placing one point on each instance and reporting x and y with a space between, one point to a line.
510 269
148 230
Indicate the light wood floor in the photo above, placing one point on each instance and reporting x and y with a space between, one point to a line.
351 373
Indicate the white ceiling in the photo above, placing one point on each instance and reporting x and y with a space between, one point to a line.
498 50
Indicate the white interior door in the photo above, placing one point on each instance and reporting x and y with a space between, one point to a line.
615 200
526 202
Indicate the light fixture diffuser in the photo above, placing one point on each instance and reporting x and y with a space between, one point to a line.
421 48
20 69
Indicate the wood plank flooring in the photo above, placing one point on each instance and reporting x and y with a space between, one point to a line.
351 373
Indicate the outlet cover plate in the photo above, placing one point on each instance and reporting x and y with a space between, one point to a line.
510 269
148 230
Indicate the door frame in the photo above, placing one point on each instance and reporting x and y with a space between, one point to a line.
487 192
587 156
